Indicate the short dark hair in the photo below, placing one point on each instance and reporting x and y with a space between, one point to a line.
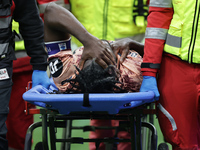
95 79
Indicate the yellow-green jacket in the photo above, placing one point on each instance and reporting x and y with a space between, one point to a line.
184 32
109 19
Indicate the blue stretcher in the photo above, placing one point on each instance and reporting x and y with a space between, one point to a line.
65 107
66 103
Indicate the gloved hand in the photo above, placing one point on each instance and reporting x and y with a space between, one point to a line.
149 84
40 77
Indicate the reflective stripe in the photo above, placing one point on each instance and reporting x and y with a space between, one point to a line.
161 3
5 22
167 114
4 48
67 6
156 33
42 7
62 3
59 2
11 148
174 41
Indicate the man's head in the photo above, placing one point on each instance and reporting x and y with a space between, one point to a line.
94 79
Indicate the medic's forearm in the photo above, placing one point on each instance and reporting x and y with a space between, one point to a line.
159 19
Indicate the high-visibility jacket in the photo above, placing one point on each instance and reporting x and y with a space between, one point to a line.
183 32
111 19
172 28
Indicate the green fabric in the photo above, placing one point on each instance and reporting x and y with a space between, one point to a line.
185 25
108 19
19 45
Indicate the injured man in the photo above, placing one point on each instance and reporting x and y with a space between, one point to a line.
99 66
86 70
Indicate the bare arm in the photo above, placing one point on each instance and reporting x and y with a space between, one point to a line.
59 23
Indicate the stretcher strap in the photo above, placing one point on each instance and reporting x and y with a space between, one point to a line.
86 102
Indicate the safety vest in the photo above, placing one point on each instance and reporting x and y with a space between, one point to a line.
111 19
19 42
184 31
6 36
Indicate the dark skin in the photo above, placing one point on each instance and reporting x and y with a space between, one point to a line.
59 24
123 46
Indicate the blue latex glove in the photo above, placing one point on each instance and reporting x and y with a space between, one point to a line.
40 77
149 83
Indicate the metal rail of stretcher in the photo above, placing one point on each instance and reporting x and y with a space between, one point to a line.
60 108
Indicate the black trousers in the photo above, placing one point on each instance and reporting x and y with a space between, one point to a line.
5 92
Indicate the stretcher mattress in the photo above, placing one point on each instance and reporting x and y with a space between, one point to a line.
66 103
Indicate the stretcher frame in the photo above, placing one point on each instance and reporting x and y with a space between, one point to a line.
129 108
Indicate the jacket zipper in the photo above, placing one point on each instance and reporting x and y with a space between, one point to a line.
105 19
194 32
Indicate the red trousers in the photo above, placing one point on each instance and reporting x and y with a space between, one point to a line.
108 133
17 121
179 109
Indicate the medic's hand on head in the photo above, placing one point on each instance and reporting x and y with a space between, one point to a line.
120 47
123 46
99 51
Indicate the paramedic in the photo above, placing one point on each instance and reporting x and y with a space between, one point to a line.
17 121
31 27
172 52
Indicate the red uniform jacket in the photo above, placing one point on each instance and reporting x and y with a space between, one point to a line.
158 17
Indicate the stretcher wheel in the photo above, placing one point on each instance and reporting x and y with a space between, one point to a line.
39 146
163 146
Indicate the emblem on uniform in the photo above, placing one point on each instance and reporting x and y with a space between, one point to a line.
3 74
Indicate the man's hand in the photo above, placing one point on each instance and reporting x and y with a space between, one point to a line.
123 46
40 77
149 83
98 50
